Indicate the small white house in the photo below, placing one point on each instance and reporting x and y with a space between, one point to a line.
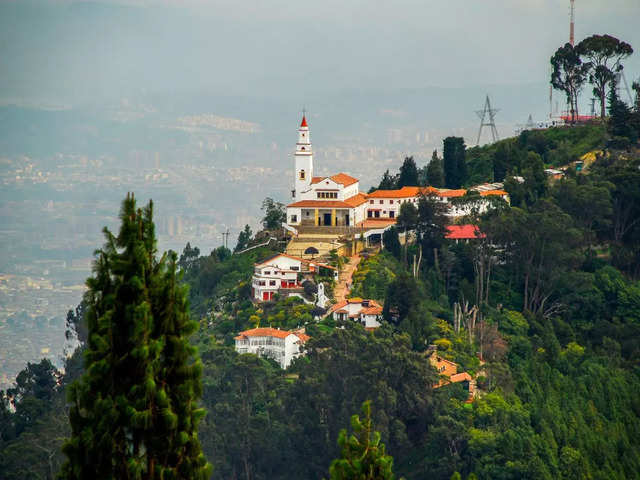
280 345
367 312
282 274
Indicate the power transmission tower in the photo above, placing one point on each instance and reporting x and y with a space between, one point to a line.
621 81
488 119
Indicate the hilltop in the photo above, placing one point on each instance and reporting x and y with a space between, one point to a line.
539 309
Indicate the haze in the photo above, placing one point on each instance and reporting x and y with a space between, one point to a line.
71 53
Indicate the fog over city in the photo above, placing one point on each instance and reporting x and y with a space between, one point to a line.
196 103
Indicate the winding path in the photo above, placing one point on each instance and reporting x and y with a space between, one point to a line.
344 279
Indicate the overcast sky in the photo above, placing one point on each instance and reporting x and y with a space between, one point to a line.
74 52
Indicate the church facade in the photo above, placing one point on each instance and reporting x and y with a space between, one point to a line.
322 201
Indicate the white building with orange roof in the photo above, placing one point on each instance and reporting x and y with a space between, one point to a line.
336 200
367 312
282 274
280 345
322 201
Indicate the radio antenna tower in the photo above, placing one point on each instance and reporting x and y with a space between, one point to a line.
572 22
488 119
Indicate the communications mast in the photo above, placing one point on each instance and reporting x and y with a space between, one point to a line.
572 16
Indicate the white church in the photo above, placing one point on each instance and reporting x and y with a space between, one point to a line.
322 201
337 201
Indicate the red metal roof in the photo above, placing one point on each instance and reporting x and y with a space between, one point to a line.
463 232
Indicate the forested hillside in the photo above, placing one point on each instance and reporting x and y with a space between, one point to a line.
543 310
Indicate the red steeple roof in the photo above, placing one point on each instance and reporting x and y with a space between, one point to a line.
304 121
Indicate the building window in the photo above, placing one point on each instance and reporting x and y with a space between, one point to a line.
392 214
267 272
294 218
371 202
381 202
301 148
302 175
391 202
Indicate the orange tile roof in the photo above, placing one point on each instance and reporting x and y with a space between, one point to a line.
271 332
493 192
344 179
303 337
356 200
404 192
374 310
319 204
460 377
263 332
341 178
376 222
452 193
340 305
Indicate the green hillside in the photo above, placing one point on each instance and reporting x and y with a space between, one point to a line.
543 313
556 147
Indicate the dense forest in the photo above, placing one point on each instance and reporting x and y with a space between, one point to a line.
543 309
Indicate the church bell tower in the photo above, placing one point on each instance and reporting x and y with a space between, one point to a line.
303 161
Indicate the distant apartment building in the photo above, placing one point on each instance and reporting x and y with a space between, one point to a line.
280 345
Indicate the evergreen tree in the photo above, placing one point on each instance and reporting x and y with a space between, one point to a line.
454 162
408 173
274 214
435 172
189 257
362 455
243 239
620 117
388 182
391 242
133 414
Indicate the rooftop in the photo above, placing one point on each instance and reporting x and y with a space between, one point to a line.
463 232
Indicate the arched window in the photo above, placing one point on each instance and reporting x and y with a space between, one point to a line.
302 175
301 148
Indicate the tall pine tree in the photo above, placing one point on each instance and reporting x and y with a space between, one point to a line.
408 173
435 173
134 413
454 161
363 456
